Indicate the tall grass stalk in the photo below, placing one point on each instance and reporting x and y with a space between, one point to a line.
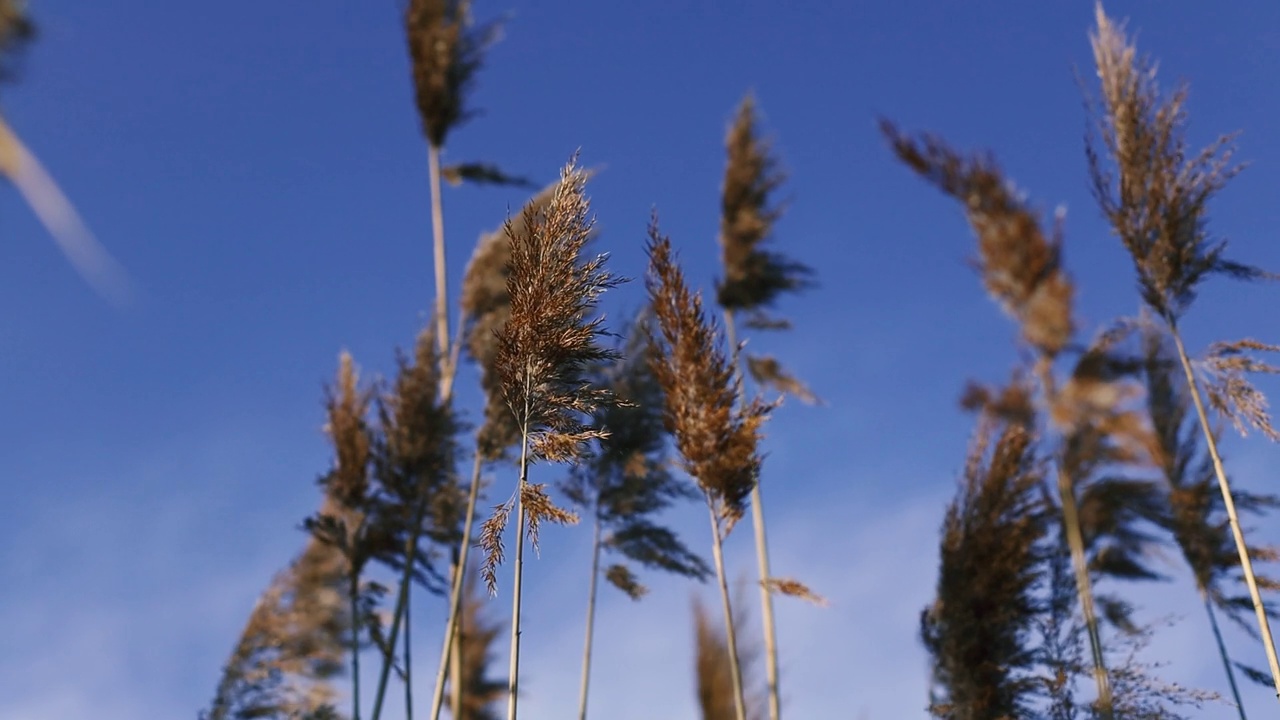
1229 504
448 656
591 619
543 351
1155 195
717 438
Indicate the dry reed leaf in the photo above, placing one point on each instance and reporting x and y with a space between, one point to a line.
1152 188
621 577
754 275
482 174
766 370
59 217
794 588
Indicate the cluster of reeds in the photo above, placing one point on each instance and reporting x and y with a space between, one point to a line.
1082 466
1128 474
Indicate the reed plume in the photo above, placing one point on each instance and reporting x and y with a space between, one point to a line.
625 481
980 626
486 306
543 352
716 437
293 644
1154 191
755 277
417 486
345 521
1099 429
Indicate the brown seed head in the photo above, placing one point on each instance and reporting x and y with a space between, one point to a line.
1152 188
486 306
1020 265
754 275
717 442
348 411
446 52
548 341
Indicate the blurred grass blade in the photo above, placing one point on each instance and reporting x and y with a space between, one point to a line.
60 218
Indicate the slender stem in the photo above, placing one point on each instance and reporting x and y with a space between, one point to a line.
455 667
1075 541
762 554
408 667
353 594
591 619
437 231
1246 565
730 636
1084 586
448 368
1222 650
513 671
455 591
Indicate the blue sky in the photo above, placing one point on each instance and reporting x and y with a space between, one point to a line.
258 169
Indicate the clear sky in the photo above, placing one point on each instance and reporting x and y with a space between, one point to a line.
258 169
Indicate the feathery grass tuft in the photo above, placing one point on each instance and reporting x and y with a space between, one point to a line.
293 644
713 668
980 626
1155 194
754 275
541 361
344 521
1100 431
486 307
717 442
447 51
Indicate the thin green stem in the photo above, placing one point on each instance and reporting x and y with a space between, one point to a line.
1242 549
762 550
1075 541
408 667
353 595
591 618
730 635
455 591
513 682
1222 651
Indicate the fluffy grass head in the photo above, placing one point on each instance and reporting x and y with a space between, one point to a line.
447 51
1020 264
1153 189
754 275
717 442
550 339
